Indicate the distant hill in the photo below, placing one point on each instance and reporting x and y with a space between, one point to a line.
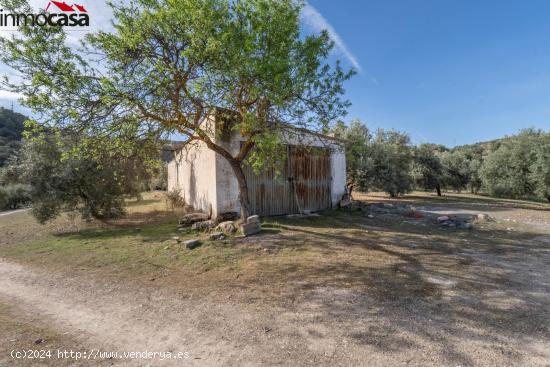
11 129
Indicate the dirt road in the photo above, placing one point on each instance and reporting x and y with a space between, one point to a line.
502 325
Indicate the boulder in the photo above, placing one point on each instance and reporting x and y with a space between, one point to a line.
227 216
227 227
191 244
251 228
483 217
192 218
204 225
253 218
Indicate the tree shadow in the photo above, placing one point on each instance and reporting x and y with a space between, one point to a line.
451 289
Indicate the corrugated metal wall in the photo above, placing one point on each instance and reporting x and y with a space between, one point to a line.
304 182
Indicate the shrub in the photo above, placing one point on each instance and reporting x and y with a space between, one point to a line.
14 196
175 199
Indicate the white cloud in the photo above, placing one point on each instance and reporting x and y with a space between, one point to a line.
315 20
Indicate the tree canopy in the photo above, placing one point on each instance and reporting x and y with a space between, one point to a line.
169 63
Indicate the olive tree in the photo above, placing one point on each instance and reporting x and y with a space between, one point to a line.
168 64
427 170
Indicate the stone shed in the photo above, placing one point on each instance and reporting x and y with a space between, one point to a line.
313 176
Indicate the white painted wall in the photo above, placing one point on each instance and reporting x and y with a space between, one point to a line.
193 171
338 172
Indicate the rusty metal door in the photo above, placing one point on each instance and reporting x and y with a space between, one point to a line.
304 183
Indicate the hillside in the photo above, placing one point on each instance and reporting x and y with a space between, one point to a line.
11 128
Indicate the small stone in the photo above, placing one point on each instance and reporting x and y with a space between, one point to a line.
216 236
200 226
443 218
191 244
191 218
412 245
370 216
253 218
39 341
482 217
227 227
177 239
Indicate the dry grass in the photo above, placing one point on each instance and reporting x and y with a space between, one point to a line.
384 283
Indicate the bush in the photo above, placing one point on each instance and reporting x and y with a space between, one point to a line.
14 196
174 198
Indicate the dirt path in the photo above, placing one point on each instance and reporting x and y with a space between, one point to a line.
3 214
110 319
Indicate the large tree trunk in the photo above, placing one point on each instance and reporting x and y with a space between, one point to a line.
235 163
438 189
243 189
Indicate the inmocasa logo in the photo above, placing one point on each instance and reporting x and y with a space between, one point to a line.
56 14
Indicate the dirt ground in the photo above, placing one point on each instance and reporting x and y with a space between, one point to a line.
342 289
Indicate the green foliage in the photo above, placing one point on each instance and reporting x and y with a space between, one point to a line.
358 137
540 169
506 171
62 178
14 196
427 169
387 164
11 128
456 169
168 65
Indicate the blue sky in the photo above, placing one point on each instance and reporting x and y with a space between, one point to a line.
449 72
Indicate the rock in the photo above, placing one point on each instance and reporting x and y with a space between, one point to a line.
201 226
177 239
412 245
39 341
370 216
216 236
227 227
227 216
191 244
387 205
251 228
442 219
253 218
191 218
483 217
466 225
